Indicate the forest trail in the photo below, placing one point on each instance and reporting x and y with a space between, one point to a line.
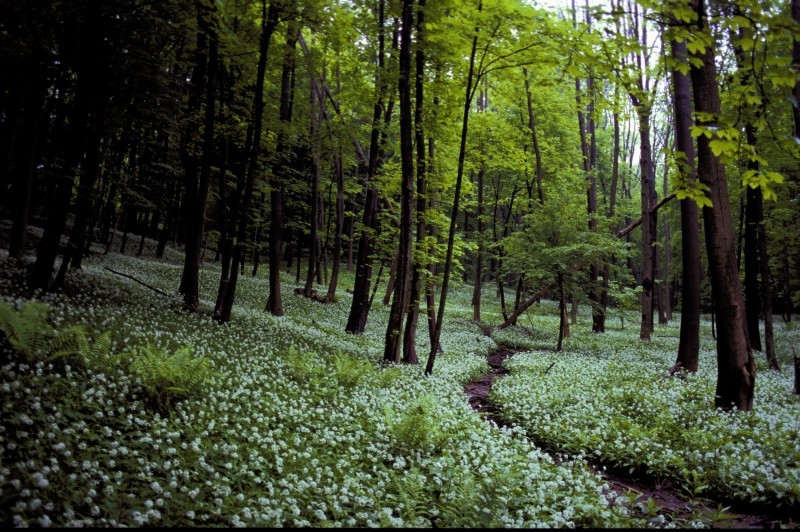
668 501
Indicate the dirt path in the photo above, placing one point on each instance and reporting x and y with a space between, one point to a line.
668 500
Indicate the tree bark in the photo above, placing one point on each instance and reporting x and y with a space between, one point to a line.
410 333
281 177
689 343
737 372
392 351
359 309
459 178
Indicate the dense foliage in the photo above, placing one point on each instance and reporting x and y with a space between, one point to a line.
299 423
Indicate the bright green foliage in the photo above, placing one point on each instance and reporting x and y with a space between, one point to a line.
167 376
415 427
35 339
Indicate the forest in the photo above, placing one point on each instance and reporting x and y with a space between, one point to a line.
400 263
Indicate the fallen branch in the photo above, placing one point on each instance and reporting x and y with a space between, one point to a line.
538 295
549 368
140 282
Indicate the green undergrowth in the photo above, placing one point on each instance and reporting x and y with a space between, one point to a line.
163 418
603 397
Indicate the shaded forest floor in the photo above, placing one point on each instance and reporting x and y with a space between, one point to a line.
390 447
654 496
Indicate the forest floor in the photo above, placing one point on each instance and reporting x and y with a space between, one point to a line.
668 500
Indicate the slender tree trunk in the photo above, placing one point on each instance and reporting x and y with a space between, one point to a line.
197 187
338 237
563 322
400 301
312 248
648 221
359 310
459 179
689 343
87 98
534 139
667 299
410 333
279 181
737 371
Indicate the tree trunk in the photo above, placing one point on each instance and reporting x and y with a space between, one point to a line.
648 221
197 186
459 178
400 301
667 298
280 179
87 99
314 222
689 343
410 333
359 309
737 371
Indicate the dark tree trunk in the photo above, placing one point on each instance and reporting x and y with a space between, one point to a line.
392 278
410 333
82 121
648 221
279 181
400 301
666 301
314 222
689 343
737 371
563 322
612 202
751 267
766 292
24 161
197 185
240 204
338 237
470 92
478 275
534 139
359 310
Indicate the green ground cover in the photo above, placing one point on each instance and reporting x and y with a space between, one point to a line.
172 420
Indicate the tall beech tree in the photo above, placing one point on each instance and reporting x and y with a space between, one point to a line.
417 288
280 175
198 180
240 206
737 371
402 292
689 344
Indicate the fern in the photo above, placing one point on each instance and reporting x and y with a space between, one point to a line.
411 489
416 426
32 336
389 376
169 377
27 329
349 370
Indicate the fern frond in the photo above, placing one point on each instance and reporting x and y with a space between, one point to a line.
168 377
26 329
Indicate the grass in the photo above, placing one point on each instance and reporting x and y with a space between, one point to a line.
299 424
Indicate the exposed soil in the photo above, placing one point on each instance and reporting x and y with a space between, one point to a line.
668 498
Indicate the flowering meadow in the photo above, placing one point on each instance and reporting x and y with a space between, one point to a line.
292 422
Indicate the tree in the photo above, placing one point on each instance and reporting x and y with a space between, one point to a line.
280 177
402 292
689 344
737 370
